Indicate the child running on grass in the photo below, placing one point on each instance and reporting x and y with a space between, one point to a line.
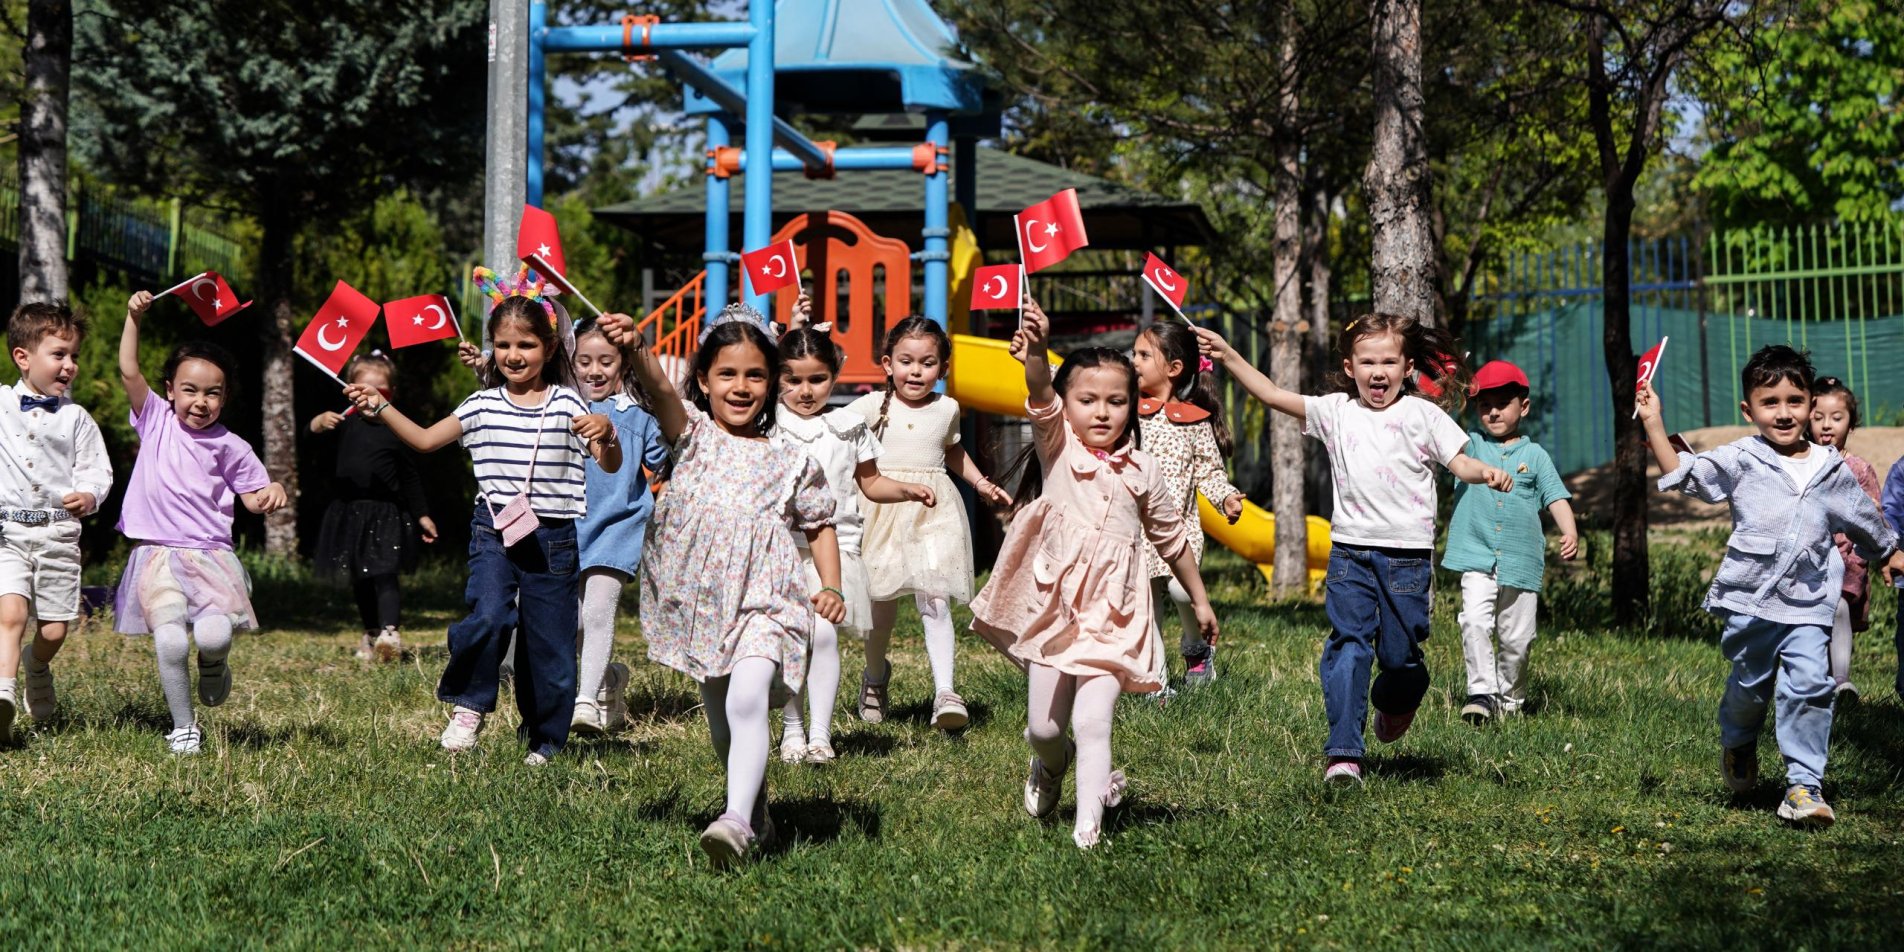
612 533
724 599
1069 599
1183 429
911 548
1495 542
841 442
1380 440
1834 414
528 435
53 472
1779 585
371 529
177 515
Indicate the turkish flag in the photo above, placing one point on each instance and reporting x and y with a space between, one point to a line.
210 297
1163 279
537 238
1649 364
340 325
1049 231
995 287
419 320
771 268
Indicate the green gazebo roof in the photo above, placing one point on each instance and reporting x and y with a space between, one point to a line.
892 203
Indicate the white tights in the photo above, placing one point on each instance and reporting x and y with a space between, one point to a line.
174 647
601 598
822 688
1086 705
935 613
737 722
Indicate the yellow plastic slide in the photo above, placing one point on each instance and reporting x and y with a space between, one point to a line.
986 378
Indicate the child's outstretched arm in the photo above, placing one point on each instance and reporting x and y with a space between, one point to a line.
1646 403
882 488
1470 470
1184 567
668 410
422 439
1254 381
129 373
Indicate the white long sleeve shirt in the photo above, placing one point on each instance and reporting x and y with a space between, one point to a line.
46 454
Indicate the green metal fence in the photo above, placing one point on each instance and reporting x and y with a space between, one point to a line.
157 241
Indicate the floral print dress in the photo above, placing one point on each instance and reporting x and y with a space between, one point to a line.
721 579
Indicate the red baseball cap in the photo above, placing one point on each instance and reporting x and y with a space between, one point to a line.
1497 373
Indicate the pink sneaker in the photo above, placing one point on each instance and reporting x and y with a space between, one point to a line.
1343 771
1389 728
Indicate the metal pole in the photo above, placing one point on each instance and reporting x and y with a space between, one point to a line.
718 213
532 168
507 146
757 214
937 229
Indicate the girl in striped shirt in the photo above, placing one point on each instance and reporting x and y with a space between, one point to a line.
527 435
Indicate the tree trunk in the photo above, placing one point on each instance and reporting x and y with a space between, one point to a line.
48 64
275 279
1402 265
1316 369
1290 575
1630 566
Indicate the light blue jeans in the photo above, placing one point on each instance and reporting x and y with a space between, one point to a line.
1785 665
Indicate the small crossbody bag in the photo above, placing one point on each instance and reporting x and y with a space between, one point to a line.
516 520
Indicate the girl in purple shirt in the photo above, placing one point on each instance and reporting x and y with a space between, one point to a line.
177 514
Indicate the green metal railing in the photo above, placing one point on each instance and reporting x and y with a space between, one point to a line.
156 241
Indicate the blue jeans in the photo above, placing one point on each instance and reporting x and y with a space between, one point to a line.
1377 600
529 590
1790 667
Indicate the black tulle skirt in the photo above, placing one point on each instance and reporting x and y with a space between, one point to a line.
365 537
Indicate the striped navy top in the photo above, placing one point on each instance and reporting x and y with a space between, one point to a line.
500 436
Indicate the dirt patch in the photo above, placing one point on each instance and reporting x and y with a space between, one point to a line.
1592 489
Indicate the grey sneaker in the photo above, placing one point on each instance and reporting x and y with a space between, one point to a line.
185 740
1740 767
1199 671
613 697
588 717
1043 786
42 702
1805 805
1480 709
214 681
948 712
726 840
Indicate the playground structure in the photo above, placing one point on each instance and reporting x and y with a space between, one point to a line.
844 57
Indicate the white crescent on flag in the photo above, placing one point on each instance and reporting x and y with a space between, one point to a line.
775 260
998 295
441 317
1161 276
325 342
1030 240
201 280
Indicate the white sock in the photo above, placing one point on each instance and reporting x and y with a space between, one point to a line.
823 681
601 597
1091 724
736 709
10 687
173 646
941 641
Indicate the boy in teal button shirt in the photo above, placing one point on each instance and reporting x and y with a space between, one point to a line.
1496 542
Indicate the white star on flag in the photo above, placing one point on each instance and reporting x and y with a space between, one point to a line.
543 250
343 322
417 320
1051 229
218 304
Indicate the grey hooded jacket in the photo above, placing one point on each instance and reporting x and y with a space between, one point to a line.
1779 564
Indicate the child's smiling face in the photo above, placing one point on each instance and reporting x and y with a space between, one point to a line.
197 392
597 366
737 387
1830 420
1781 412
1378 366
50 364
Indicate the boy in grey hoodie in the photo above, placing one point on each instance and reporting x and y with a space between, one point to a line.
1778 586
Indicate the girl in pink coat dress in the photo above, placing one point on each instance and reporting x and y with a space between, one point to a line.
1070 598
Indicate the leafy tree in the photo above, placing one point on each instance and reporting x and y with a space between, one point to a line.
293 114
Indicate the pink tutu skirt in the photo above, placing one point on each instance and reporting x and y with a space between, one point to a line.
163 585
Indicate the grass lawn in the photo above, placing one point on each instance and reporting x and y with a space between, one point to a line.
323 814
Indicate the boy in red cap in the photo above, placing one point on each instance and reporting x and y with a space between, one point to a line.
1496 542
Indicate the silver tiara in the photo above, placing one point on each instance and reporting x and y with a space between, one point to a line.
736 312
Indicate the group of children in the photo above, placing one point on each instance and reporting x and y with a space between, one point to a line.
786 522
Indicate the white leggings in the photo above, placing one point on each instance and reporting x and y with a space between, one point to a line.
822 689
1085 704
601 598
935 613
736 708
174 647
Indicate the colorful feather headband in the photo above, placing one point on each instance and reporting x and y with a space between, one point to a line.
525 283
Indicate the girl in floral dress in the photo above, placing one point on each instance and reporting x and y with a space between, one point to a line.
723 593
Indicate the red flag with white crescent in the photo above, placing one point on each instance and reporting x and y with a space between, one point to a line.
537 237
1649 364
995 287
420 320
340 325
771 268
209 296
1049 231
1165 280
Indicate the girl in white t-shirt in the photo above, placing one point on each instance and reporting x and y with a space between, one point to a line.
1380 440
842 443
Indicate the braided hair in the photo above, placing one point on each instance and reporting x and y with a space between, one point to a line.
910 327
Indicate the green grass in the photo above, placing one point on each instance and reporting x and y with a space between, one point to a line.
323 814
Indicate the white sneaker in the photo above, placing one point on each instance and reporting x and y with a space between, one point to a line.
387 646
536 758
8 705
613 697
42 702
464 725
366 649
185 740
1042 787
214 681
793 746
588 717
